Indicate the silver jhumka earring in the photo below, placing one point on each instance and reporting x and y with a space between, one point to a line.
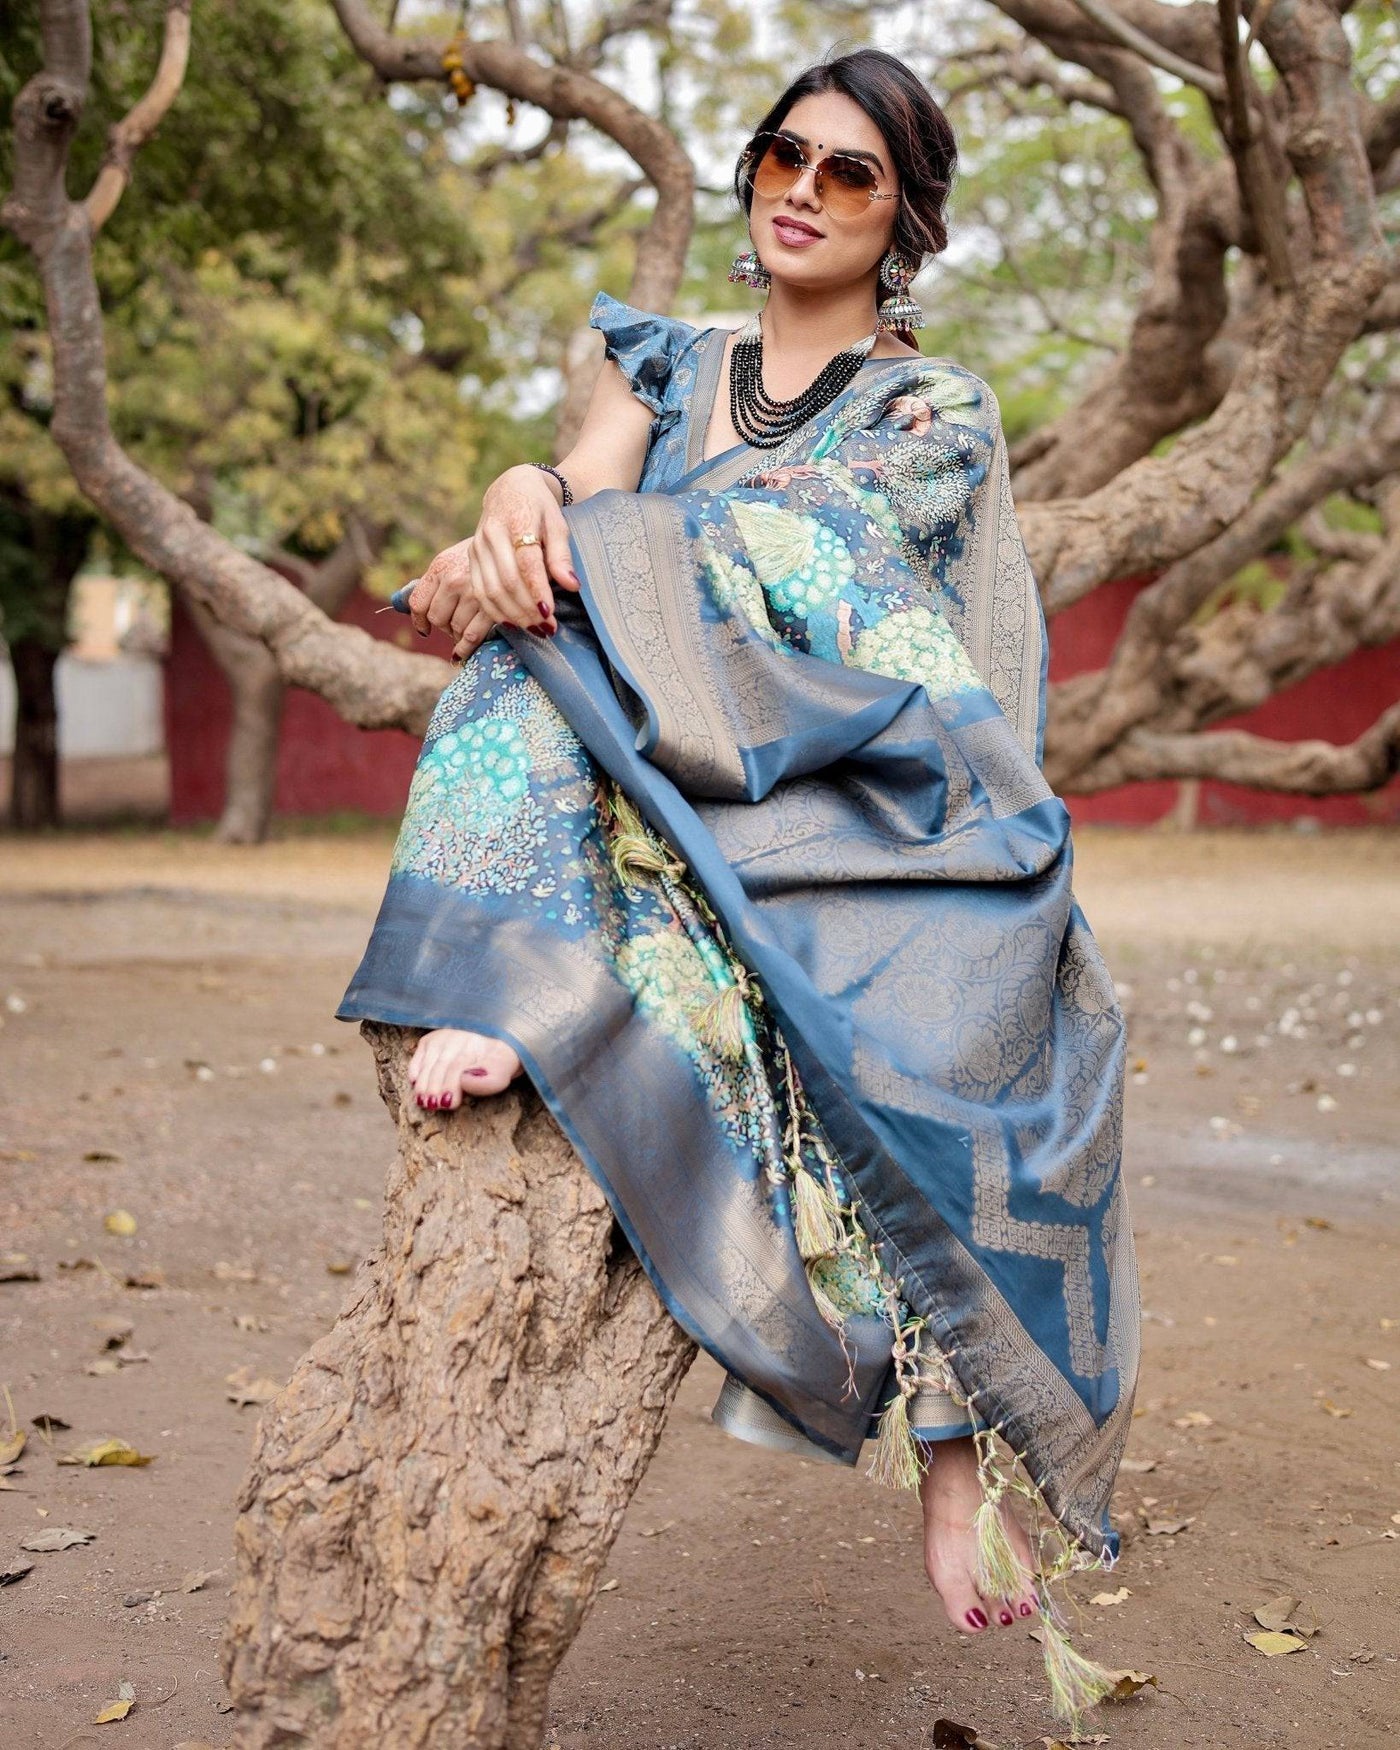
899 310
748 270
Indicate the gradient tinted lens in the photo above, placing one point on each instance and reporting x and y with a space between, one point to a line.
844 185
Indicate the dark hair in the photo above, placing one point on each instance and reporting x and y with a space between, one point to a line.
915 129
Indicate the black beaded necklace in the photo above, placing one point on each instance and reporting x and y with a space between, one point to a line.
764 422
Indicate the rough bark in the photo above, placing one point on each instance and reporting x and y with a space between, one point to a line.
34 769
433 1494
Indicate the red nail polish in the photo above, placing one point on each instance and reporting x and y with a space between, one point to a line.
477 1072
1026 1610
1005 1618
544 610
977 1618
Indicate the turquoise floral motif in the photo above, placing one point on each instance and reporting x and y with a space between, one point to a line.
492 755
849 1283
472 820
670 980
916 644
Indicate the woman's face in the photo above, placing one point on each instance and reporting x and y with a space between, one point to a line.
797 238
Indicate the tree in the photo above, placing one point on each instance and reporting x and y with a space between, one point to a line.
263 355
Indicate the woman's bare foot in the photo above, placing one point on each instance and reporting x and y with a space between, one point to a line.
450 1063
951 1495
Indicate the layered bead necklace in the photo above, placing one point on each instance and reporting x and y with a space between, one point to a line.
764 422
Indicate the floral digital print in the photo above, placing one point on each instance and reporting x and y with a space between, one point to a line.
917 645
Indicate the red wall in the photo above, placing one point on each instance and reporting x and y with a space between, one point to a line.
1333 704
325 765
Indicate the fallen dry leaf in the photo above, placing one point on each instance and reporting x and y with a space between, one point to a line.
1194 1419
1380 1366
1126 1684
47 1424
121 1222
339 1267
1334 1409
248 1390
1287 1614
16 1571
656 1530
12 1445
1270 1642
55 1537
198 1578
106 1452
1168 1527
608 1586
121 1707
103 1365
16 1267
1106 1598
1138 1467
152 1278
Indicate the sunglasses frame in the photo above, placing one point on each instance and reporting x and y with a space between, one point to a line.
751 157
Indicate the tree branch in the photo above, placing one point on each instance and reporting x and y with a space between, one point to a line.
1152 51
565 93
1303 768
141 121
368 682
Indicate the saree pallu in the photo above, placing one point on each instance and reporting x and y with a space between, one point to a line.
755 867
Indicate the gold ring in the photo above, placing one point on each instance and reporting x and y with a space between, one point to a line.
526 541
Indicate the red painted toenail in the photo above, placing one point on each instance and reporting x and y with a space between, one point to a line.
478 1072
977 1618
1026 1610
1005 1618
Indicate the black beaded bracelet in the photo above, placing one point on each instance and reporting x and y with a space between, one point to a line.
545 467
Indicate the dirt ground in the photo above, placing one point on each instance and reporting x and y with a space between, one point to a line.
168 1051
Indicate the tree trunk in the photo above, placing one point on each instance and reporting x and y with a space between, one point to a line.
255 733
34 770
434 1493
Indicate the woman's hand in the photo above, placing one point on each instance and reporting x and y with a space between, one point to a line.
486 580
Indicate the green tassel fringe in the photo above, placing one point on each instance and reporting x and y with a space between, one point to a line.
896 1463
996 1572
634 851
1076 1683
720 1023
813 1216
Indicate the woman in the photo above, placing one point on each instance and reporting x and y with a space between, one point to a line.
732 833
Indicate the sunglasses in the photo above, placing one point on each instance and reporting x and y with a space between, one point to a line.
845 186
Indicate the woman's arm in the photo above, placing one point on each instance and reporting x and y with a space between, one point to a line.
486 580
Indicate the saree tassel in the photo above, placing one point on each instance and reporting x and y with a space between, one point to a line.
1076 1683
634 851
996 1571
826 1306
720 1023
813 1216
896 1463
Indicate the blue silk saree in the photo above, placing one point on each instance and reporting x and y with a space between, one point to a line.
755 866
